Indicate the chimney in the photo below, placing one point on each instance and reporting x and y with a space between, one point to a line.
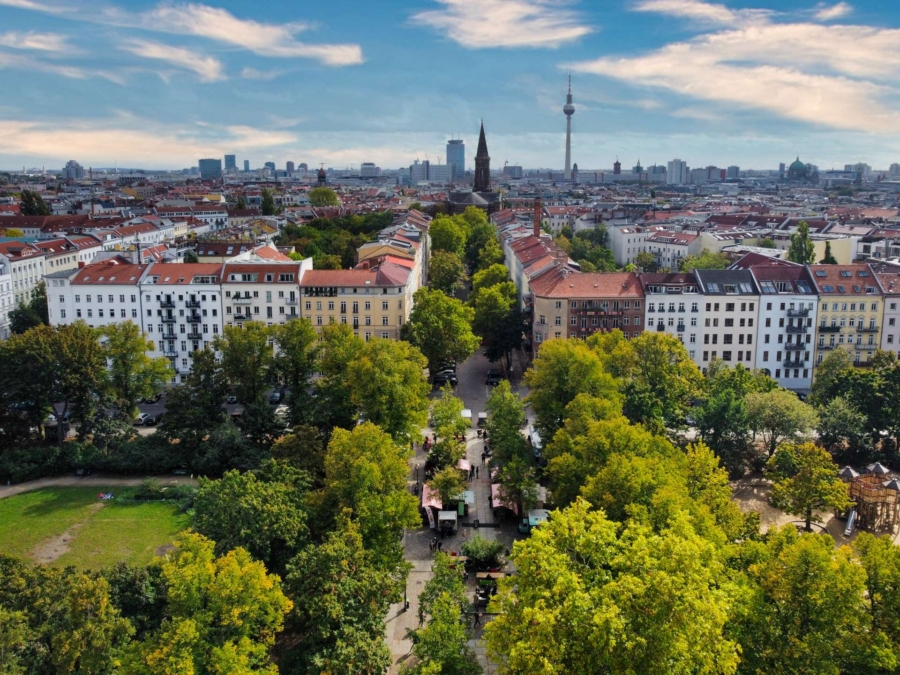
537 217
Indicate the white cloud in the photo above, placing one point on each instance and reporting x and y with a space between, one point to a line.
838 76
254 74
837 11
22 62
50 42
481 24
703 11
29 4
207 68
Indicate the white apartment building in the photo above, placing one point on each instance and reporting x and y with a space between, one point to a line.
677 173
890 331
26 265
670 248
182 310
100 294
673 304
731 310
7 303
787 324
263 291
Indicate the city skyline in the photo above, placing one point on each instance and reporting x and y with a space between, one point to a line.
159 85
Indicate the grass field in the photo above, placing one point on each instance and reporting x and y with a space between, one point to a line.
70 526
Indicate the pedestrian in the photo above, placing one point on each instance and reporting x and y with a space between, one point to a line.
440 546
431 545
477 620
476 472
482 458
465 575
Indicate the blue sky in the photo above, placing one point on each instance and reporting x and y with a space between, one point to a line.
160 84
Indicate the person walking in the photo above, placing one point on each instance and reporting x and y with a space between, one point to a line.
440 546
431 545
477 621
476 472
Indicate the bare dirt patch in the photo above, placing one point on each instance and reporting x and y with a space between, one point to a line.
165 548
51 549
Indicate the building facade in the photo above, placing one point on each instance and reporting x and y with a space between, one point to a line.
210 169
674 306
730 313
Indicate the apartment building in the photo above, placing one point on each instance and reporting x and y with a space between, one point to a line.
182 310
787 319
375 302
674 305
670 248
7 303
66 253
26 265
889 279
263 291
850 311
573 305
730 313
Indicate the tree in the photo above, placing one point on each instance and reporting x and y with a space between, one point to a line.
804 610
779 416
387 386
805 479
366 471
327 262
490 254
247 358
132 374
802 249
488 277
480 236
33 204
645 261
518 484
323 196
341 596
222 614
446 414
14 233
241 203
265 517
766 242
830 377
267 203
31 314
707 260
447 233
842 426
561 370
881 560
303 449
338 349
441 645
60 369
506 417
295 362
191 256
668 588
441 327
723 425
449 484
829 259
446 272
499 320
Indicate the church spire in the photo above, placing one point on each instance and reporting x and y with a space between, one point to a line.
482 144
482 165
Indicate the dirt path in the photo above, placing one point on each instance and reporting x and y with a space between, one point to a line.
51 549
97 480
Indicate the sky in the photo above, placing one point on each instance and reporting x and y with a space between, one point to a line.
156 85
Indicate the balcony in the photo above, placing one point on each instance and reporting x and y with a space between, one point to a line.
862 364
293 301
795 347
798 313
193 304
695 309
243 317
827 346
242 301
795 364
195 336
796 329
865 348
169 319
829 329
194 318
870 329
660 327
167 304
681 328
169 354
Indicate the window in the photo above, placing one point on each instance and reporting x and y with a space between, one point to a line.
384 321
384 305
309 306
558 321
729 323
729 306
693 338
726 356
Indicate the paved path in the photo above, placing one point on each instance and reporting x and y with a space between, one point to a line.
94 480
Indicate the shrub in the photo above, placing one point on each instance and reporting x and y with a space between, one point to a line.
482 554
150 489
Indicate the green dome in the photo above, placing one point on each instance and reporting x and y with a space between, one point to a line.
797 165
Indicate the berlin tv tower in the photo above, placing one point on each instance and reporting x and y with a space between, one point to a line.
569 110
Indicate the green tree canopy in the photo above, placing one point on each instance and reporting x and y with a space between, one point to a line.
448 233
706 260
829 259
267 203
441 327
779 416
802 249
247 358
295 362
33 204
191 256
446 272
132 374
30 314
323 196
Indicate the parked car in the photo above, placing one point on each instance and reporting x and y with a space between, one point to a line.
141 419
232 399
153 398
153 420
447 365
275 397
493 378
446 376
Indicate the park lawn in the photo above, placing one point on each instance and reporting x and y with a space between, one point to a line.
100 533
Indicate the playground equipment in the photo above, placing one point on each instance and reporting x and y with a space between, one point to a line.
876 506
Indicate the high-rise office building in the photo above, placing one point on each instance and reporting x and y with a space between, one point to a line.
369 170
270 166
290 167
733 172
230 164
677 173
304 167
456 158
73 170
246 165
210 169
